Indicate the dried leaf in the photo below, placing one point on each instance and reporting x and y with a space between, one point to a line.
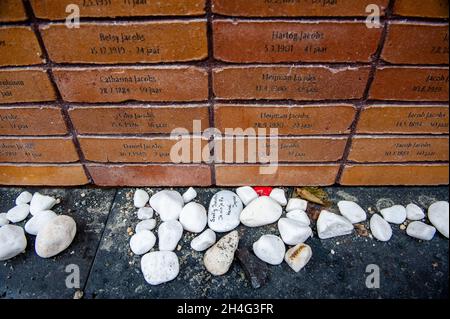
314 195
313 212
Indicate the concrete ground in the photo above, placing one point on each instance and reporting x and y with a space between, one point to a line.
408 268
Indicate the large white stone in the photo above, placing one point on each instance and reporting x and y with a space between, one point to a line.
18 213
56 236
219 258
438 214
278 195
24 198
293 232
296 204
39 221
297 257
395 214
352 211
3 220
224 211
169 234
270 249
189 195
168 204
421 230
41 202
299 216
193 218
140 198
331 225
204 240
262 211
380 228
142 242
144 213
12 241
148 224
247 194
414 212
160 267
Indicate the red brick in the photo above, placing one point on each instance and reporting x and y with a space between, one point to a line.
399 149
284 82
42 175
56 9
409 43
25 85
138 119
410 84
19 46
149 42
429 8
286 175
413 119
289 120
12 11
292 41
139 149
37 150
44 120
313 8
121 84
399 175
150 175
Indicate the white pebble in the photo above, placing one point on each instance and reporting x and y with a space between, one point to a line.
160 267
395 214
18 213
24 198
140 198
247 194
169 234
421 230
278 195
204 240
414 212
145 213
270 249
189 195
142 242
300 216
331 225
3 220
262 211
41 202
39 221
296 204
438 214
224 211
56 236
293 232
12 241
148 224
168 204
297 257
352 211
380 228
193 217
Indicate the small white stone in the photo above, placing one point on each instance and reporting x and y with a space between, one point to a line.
160 267
270 249
219 258
148 224
168 204
24 198
204 241
278 195
189 195
414 212
41 202
3 220
300 216
395 214
331 225
438 214
380 228
352 211
39 221
293 232
56 236
297 257
169 234
224 211
421 230
296 204
145 213
193 218
142 242
12 241
262 211
18 213
140 198
247 194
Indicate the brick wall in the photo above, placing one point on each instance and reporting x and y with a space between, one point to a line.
353 105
